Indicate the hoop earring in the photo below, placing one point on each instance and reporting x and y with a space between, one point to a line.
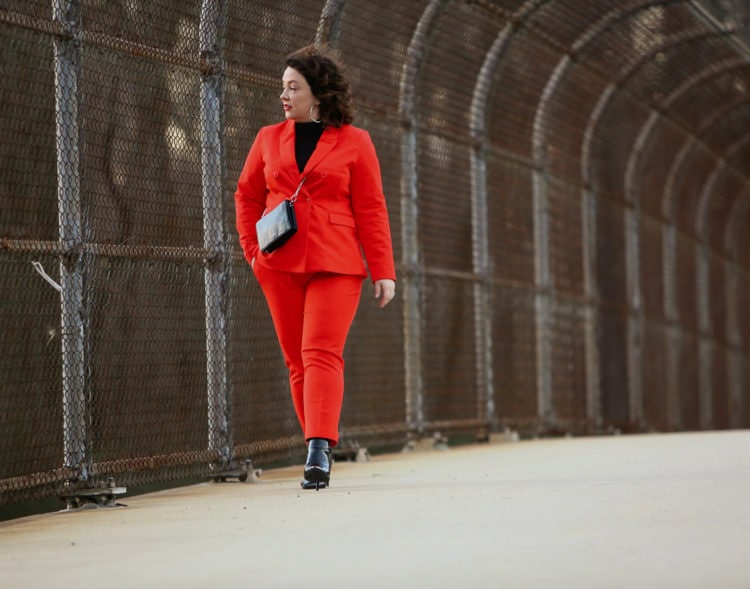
312 118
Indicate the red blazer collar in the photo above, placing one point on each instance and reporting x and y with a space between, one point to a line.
326 143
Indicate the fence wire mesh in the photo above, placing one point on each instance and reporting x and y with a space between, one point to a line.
567 183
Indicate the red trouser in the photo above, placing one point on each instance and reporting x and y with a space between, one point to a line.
312 314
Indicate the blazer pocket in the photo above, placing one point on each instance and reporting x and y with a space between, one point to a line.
339 219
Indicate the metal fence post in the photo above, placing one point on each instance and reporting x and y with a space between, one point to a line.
484 316
413 279
481 262
542 272
737 339
212 21
734 339
67 64
589 210
542 298
674 341
706 345
635 327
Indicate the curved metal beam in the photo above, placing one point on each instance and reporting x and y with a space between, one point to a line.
668 202
730 297
706 364
478 116
706 16
708 188
609 91
647 129
702 264
606 96
644 136
329 25
543 277
603 103
413 279
588 134
483 311
633 167
478 110
632 227
705 195
678 161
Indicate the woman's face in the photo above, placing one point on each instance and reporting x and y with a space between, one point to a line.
297 97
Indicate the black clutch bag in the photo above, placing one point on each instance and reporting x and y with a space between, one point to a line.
277 226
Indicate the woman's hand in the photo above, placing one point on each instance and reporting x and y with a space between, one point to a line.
385 289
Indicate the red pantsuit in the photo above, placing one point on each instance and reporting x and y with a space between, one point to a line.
313 283
312 314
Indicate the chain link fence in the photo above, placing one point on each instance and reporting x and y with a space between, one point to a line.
569 195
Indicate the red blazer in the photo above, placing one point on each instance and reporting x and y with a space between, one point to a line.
340 209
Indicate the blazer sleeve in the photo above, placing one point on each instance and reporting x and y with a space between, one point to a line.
370 212
250 198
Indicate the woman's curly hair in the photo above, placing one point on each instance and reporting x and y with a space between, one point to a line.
328 85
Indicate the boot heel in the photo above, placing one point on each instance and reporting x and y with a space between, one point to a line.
318 466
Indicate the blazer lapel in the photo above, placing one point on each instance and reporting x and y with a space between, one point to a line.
286 148
325 144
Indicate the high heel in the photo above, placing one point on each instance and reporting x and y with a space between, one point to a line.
318 466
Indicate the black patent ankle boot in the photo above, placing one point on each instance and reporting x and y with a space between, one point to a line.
318 465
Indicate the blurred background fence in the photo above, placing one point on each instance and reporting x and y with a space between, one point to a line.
569 190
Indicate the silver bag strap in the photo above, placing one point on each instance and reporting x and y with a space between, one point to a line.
293 198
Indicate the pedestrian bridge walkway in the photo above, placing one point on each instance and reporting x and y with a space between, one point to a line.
603 512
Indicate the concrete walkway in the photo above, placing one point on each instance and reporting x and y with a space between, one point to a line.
612 512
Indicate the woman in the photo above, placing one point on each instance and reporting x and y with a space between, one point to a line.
313 282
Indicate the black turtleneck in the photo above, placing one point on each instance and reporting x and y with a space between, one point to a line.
306 137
